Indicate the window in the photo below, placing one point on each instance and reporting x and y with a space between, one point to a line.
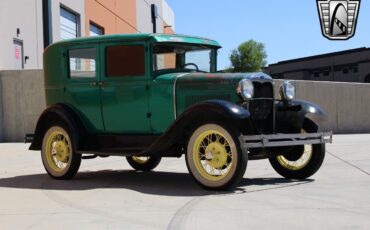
326 73
201 58
82 63
178 57
165 61
125 61
68 24
316 74
96 30
345 71
355 69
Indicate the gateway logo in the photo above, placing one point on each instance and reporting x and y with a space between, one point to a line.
338 18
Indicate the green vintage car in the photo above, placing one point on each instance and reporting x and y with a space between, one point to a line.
148 96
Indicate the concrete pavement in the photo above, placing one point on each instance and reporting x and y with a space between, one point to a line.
108 194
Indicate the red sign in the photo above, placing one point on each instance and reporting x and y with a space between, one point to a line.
17 53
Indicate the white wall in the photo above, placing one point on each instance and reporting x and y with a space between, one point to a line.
168 15
76 6
144 19
27 16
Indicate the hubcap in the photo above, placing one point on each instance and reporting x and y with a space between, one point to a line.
216 155
141 160
212 155
58 150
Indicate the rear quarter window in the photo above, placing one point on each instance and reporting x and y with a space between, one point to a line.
82 63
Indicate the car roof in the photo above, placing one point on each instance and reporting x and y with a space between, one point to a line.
160 38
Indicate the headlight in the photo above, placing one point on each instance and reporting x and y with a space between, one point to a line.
287 91
245 89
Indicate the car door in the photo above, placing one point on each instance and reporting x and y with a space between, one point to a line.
124 88
82 91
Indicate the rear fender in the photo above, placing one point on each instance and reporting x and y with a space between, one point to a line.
62 115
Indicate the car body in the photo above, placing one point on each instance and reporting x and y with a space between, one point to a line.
145 96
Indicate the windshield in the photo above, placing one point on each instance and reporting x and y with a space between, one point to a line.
183 58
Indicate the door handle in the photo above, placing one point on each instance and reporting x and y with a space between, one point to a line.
97 83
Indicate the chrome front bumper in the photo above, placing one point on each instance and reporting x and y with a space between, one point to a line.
281 140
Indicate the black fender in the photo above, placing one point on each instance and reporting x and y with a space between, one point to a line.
207 111
59 114
290 115
311 111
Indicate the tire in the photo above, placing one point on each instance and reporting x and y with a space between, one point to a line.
303 161
214 157
58 154
144 163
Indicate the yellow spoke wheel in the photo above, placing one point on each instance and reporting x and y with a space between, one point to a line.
300 162
213 158
212 155
141 160
143 163
57 154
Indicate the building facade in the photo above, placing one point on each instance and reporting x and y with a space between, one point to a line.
345 66
28 26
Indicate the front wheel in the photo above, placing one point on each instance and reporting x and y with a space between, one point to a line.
303 161
143 163
58 154
214 157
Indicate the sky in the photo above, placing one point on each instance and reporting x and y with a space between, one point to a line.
289 28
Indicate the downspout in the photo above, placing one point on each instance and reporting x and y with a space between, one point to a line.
154 12
1 110
46 21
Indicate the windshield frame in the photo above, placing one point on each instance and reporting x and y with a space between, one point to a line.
213 58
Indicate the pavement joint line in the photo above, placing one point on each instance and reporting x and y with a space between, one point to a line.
178 220
181 215
348 163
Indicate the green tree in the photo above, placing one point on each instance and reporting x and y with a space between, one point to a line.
250 56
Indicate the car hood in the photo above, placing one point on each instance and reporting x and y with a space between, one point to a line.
187 89
214 78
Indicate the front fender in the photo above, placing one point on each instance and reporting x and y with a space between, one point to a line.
290 116
309 107
198 114
213 110
312 111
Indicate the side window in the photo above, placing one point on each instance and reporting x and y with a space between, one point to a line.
82 63
125 61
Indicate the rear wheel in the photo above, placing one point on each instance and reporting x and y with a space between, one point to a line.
303 161
214 157
58 154
143 163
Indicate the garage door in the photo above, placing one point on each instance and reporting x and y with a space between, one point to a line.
68 24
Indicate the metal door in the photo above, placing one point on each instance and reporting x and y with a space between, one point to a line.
124 88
